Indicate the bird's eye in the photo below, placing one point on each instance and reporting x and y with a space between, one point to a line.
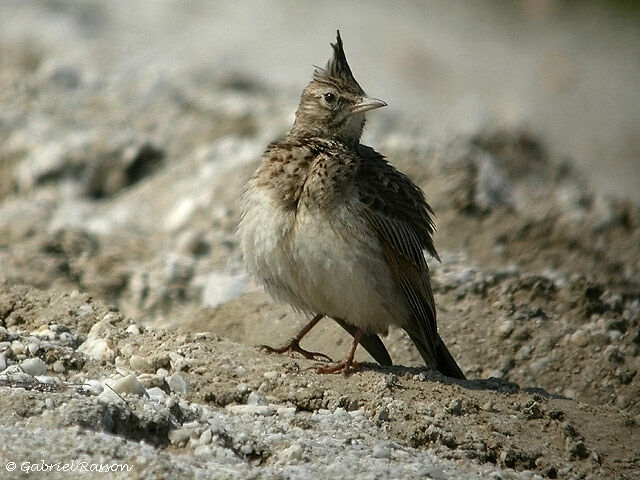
329 97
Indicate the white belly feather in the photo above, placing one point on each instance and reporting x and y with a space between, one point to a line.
320 266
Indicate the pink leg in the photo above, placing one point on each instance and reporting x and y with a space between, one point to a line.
347 365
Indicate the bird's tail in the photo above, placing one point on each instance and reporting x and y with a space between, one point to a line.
443 361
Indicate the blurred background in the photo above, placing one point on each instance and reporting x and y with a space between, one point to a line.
568 71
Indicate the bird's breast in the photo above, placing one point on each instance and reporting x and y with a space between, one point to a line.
319 259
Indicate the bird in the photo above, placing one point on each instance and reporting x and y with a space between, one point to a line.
331 228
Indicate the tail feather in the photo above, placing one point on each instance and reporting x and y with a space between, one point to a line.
446 363
443 361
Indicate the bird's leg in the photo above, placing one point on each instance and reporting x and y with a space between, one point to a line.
346 365
294 344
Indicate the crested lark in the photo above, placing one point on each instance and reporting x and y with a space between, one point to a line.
331 228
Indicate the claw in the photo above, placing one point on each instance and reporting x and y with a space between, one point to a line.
345 366
294 347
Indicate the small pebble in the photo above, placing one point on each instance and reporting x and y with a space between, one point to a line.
156 394
96 348
33 348
84 311
47 379
58 366
94 387
256 399
381 452
108 396
242 387
34 366
177 384
615 335
580 338
67 339
270 375
133 329
250 410
293 452
49 404
179 436
506 327
128 384
139 363
205 437
17 347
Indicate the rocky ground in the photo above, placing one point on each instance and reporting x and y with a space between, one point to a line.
128 326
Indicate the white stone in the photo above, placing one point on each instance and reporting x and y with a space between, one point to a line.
615 335
179 436
156 394
506 327
96 348
205 437
181 213
133 329
177 384
581 338
287 412
85 310
139 363
12 369
33 348
34 366
128 384
94 387
58 366
17 347
381 452
47 379
256 399
292 452
250 410
108 396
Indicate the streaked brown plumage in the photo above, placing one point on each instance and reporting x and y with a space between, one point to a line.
331 228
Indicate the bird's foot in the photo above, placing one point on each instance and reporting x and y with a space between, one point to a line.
346 366
294 347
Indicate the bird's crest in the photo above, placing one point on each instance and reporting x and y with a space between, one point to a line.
337 67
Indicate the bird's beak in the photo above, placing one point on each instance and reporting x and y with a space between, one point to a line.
365 104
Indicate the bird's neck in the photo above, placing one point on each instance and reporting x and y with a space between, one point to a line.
320 135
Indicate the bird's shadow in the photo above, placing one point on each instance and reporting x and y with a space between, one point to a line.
494 384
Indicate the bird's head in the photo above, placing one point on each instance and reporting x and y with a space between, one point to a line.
333 104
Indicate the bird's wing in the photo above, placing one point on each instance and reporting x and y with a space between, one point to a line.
398 213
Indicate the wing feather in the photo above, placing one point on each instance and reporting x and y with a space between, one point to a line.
398 213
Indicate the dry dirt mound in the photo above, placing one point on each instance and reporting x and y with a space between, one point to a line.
212 405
